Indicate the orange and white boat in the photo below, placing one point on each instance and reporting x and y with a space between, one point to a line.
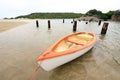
66 49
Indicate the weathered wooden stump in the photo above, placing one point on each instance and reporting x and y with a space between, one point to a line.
104 28
63 20
86 22
37 24
75 26
79 20
49 24
99 23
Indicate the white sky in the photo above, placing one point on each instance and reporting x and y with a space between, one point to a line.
13 8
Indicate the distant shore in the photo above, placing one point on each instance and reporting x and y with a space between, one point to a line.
9 24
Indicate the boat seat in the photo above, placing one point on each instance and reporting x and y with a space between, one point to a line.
65 45
80 39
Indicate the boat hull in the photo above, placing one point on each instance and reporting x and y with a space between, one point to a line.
51 63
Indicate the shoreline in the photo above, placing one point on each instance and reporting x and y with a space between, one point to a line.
9 24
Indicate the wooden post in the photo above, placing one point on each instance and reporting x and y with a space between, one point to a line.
99 23
74 25
86 22
71 21
49 24
37 24
63 21
79 20
104 28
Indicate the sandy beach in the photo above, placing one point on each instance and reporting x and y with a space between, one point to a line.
9 24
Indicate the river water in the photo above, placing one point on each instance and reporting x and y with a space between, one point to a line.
21 46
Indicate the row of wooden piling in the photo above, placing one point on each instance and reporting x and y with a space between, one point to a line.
37 24
103 31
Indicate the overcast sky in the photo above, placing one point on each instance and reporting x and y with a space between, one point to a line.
13 8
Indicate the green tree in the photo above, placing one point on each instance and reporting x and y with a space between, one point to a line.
94 12
109 14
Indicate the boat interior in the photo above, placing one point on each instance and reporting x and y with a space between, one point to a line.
73 41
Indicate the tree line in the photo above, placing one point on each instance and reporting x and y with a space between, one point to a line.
51 15
93 12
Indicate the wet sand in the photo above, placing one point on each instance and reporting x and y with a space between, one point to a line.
9 24
20 47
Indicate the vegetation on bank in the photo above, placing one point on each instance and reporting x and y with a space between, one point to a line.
99 14
113 15
51 15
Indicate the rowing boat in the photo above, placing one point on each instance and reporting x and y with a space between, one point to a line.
66 49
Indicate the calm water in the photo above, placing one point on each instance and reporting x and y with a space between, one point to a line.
21 46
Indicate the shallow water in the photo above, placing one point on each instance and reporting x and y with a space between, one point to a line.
21 46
